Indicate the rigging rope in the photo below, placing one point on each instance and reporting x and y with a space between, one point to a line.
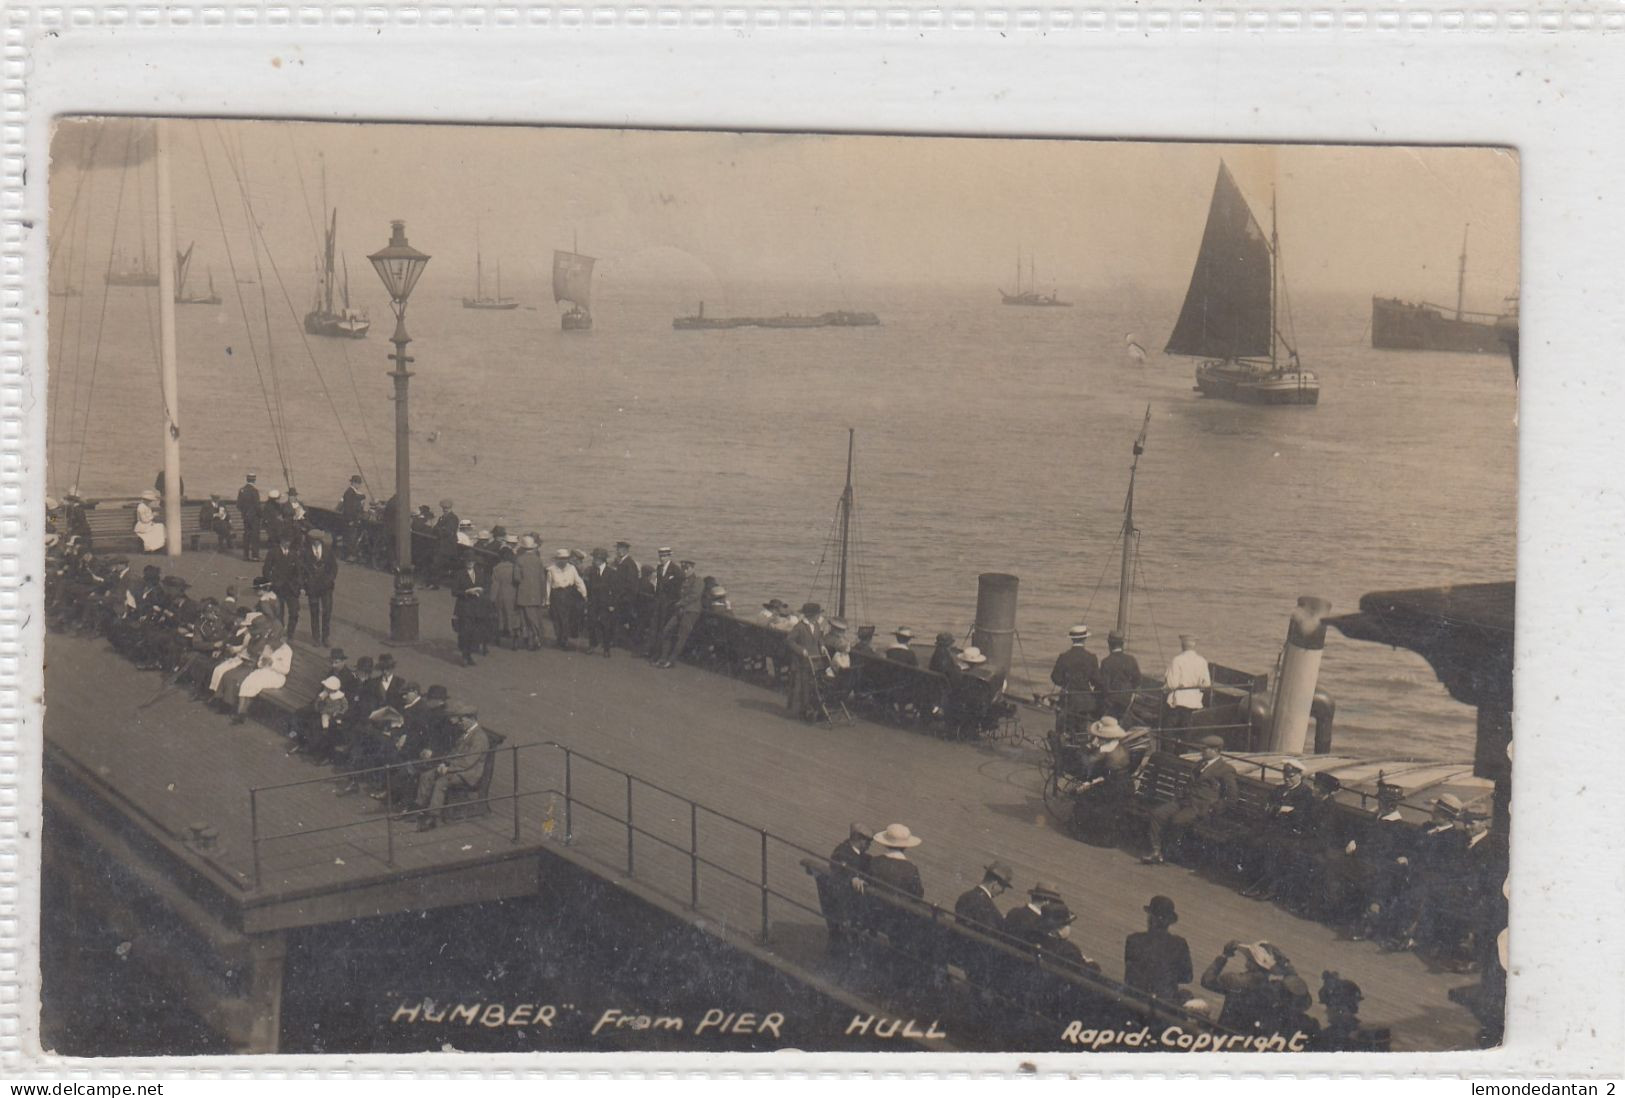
242 306
256 241
101 323
71 231
293 312
1150 611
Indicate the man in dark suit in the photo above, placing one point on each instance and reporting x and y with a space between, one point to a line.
1154 960
461 769
838 897
1119 679
1272 854
352 509
282 571
468 611
1209 790
976 907
386 688
1077 673
600 578
248 506
272 516
623 590
668 590
1026 923
446 548
318 572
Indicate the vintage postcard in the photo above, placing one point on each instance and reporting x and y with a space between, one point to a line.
536 589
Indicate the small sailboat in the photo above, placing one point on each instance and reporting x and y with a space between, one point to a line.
128 272
572 282
183 265
323 319
1027 294
1229 316
479 300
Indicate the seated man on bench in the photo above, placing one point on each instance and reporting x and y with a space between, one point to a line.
1210 789
461 769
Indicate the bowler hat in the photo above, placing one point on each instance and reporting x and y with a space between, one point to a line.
1055 916
364 663
437 692
1114 637
386 661
337 654
600 554
1161 908
858 831
623 545
811 609
1326 782
446 503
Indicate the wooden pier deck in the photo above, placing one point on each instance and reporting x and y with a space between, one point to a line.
169 763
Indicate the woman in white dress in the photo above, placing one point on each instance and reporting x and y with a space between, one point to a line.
147 526
270 672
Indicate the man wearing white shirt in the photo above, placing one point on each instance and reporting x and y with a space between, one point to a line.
1188 676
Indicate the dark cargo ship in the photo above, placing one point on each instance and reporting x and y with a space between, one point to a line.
1398 325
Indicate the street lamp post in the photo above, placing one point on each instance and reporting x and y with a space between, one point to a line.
399 265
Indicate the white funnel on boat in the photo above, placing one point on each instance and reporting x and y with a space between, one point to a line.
1300 671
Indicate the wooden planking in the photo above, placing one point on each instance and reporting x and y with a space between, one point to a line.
730 745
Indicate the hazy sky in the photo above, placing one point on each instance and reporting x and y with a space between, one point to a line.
699 210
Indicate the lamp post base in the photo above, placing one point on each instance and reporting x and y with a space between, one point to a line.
403 611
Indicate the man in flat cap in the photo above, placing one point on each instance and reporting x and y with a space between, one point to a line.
460 769
976 907
1210 789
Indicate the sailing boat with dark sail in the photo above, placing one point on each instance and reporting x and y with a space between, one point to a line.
1028 294
323 319
1229 316
572 282
479 300
183 264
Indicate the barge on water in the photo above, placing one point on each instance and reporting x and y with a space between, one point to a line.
840 318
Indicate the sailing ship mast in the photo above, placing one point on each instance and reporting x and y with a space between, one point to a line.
1275 292
1461 271
1130 534
166 347
846 523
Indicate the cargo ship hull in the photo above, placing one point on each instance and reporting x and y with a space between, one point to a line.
1402 326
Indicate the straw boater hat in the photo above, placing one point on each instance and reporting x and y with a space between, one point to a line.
972 655
276 493
1107 728
664 550
527 542
903 633
484 535
150 494
898 837
1449 804
561 554
510 539
1078 633
837 624
719 592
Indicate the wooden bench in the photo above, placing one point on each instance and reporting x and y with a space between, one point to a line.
1224 833
112 526
994 965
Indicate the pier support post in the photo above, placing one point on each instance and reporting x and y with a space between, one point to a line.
266 953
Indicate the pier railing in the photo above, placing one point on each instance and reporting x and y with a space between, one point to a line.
723 859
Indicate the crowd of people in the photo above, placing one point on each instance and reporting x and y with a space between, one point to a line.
1262 991
382 734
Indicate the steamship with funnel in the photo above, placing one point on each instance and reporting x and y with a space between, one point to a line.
1421 326
1229 319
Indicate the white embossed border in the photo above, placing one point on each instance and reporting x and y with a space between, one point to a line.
1536 32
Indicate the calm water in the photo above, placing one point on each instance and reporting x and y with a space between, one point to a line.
989 439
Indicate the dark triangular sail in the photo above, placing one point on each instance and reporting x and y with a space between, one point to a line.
1227 309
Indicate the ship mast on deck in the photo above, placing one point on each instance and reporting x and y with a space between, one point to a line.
1126 577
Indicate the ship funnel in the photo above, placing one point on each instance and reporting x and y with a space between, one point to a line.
1300 670
995 630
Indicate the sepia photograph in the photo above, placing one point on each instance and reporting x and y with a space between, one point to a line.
549 589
